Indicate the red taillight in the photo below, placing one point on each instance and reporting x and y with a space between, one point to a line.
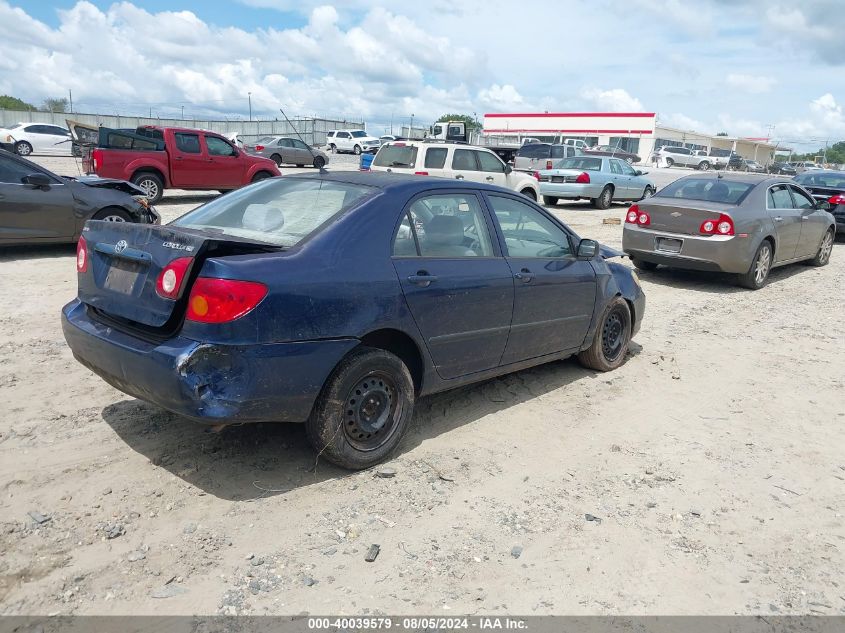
583 178
172 278
637 216
258 148
536 175
97 157
81 255
420 173
548 164
222 300
723 225
839 198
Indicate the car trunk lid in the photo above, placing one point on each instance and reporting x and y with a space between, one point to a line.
125 260
680 215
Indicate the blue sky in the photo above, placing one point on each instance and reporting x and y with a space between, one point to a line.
748 68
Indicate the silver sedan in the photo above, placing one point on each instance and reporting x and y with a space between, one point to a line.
599 179
290 151
735 223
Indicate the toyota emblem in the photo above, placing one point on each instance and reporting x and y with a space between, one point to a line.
120 246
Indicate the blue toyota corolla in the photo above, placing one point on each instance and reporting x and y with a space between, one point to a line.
337 300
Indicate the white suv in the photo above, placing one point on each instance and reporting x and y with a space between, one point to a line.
453 160
355 141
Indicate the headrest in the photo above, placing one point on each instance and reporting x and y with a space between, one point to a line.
445 229
263 217
718 192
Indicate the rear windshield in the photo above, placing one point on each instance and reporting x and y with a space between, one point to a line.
709 189
580 162
534 151
834 179
280 211
396 156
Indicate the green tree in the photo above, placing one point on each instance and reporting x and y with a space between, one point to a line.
722 134
55 105
472 124
13 103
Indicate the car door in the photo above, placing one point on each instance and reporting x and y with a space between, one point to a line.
301 154
786 219
284 147
31 213
619 180
456 284
492 168
554 293
344 141
188 162
814 222
224 169
60 138
465 165
634 186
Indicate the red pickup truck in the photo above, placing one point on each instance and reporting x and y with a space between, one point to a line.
159 158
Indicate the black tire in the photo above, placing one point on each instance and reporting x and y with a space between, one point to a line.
112 214
605 198
319 162
613 335
648 192
758 271
356 150
643 265
151 183
276 158
351 432
22 148
224 190
550 201
825 248
333 148
704 166
300 165
669 162
529 193
261 175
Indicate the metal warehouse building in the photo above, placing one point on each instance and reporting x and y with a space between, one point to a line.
636 132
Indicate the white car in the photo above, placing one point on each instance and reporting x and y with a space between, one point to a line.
36 138
355 141
453 160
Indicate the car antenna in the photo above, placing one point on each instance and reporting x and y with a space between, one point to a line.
322 168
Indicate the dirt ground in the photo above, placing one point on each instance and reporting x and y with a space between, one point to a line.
705 476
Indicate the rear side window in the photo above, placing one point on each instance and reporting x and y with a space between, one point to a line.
444 226
709 189
801 199
396 156
188 143
580 162
435 157
779 198
464 160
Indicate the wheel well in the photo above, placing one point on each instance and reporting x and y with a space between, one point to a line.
104 211
530 193
149 170
401 345
609 186
771 241
633 312
276 155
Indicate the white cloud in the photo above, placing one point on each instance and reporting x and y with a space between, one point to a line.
502 98
750 83
683 122
613 100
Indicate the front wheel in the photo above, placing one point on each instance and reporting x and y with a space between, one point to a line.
357 150
610 344
605 198
704 166
550 201
151 184
262 175
648 192
319 162
363 410
823 256
112 214
669 162
758 272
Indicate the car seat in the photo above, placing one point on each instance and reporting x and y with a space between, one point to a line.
264 218
718 192
444 237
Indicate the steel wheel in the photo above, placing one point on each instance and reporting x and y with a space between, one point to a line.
613 336
371 408
763 263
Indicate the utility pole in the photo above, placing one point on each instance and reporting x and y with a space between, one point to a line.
249 97
411 127
183 112
70 94
391 123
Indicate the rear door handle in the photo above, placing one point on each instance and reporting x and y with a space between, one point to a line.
422 278
524 275
489 179
459 177
778 218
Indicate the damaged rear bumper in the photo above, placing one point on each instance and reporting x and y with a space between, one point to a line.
209 383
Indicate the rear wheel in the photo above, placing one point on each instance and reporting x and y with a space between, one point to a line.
761 265
112 214
276 159
300 165
529 193
550 201
823 256
151 184
610 344
319 162
643 265
333 148
669 162
22 148
605 198
363 410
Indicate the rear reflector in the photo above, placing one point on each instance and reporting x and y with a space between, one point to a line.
97 157
420 173
536 175
583 178
81 255
172 278
223 300
837 199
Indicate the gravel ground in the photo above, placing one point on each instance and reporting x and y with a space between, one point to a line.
705 476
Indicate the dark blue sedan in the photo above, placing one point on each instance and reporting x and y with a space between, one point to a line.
337 300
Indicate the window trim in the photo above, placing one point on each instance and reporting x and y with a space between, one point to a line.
570 235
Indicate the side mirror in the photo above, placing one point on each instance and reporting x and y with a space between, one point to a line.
639 172
824 205
587 249
38 181
508 169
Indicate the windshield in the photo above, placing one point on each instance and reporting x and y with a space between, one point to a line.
15 126
278 211
359 134
580 162
396 156
710 189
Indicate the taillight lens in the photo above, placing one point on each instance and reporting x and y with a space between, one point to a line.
837 199
81 255
723 225
583 178
97 157
172 278
223 300
637 216
258 148
536 175
548 164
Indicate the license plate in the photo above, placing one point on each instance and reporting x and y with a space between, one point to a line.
122 276
557 179
669 245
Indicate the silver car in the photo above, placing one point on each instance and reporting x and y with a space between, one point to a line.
599 179
739 223
289 151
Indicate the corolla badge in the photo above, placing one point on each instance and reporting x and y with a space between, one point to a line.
120 246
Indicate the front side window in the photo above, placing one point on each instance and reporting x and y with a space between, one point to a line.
490 163
218 147
464 160
802 201
188 143
626 168
12 172
444 226
435 157
359 134
299 144
527 232
276 211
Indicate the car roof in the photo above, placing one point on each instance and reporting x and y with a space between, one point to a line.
745 177
397 182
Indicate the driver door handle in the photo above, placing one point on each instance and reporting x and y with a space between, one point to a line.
422 278
459 177
490 179
524 275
